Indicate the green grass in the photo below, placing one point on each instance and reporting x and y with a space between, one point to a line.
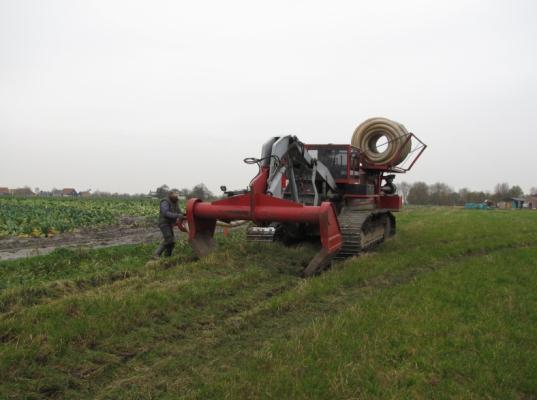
447 309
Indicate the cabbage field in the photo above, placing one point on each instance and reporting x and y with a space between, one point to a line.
42 217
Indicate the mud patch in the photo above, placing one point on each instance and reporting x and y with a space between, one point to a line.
131 230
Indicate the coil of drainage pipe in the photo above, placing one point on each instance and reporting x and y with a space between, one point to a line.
375 132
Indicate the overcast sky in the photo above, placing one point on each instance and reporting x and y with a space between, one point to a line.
127 95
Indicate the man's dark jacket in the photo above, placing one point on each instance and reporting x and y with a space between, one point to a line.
169 212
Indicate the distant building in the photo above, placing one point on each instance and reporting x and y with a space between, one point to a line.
86 193
69 192
4 191
531 201
513 202
22 192
517 202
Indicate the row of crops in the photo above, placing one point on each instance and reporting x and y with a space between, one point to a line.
48 216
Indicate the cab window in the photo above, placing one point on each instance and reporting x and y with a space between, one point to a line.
335 160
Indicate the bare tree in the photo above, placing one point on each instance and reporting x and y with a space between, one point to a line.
501 191
464 195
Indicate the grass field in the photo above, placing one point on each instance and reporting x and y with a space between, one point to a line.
447 309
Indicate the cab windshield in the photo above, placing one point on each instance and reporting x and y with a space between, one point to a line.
335 160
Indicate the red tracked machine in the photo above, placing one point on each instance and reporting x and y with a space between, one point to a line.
342 195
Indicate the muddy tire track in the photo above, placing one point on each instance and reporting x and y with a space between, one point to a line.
130 230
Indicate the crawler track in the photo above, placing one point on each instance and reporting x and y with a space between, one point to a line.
363 230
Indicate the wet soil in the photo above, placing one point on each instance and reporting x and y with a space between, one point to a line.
130 230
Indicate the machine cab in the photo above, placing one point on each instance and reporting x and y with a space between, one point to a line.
345 164
342 160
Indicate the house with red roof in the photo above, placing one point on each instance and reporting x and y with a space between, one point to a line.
69 192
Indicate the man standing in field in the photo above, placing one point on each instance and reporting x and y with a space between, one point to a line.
169 215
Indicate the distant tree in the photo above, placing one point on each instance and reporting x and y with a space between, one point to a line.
516 191
533 191
501 191
477 197
101 193
453 199
201 191
184 193
418 193
463 195
440 194
162 191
